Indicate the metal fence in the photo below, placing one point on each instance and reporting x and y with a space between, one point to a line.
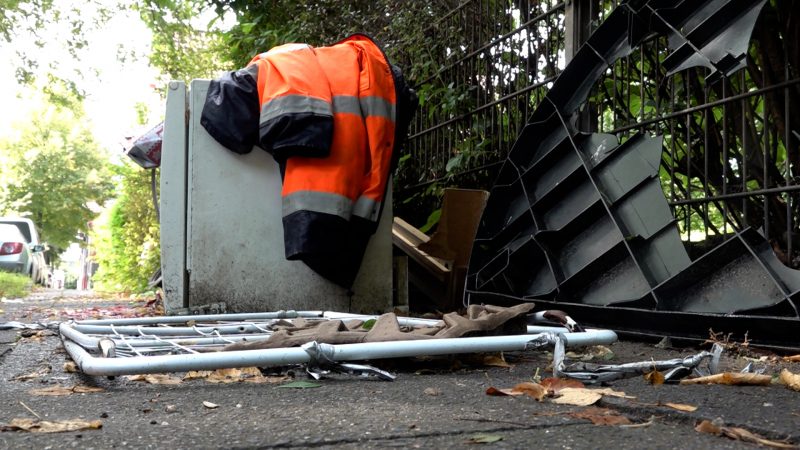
731 146
494 62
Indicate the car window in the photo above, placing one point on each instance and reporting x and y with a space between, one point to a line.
23 228
11 233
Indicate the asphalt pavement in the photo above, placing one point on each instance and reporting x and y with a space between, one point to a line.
433 403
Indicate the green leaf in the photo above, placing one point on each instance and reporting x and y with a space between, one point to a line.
300 385
433 219
368 324
454 162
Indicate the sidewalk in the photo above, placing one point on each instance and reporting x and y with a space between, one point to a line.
432 404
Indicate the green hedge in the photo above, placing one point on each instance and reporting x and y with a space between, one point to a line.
14 285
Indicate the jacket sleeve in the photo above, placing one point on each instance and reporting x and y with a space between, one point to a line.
296 117
230 113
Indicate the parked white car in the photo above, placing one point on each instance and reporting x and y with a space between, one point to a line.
38 264
15 256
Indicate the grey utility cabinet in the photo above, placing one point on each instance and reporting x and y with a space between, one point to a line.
221 229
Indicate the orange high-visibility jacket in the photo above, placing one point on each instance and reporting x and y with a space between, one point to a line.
333 117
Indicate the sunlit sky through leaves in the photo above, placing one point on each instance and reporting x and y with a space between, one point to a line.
112 87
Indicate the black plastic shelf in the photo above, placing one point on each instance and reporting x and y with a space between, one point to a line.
580 221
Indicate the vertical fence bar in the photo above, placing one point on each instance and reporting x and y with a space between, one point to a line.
725 161
788 169
745 159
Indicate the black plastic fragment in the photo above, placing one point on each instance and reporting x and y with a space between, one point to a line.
579 222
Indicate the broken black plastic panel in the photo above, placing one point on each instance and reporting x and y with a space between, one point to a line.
579 221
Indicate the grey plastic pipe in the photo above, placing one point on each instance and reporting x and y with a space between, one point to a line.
346 352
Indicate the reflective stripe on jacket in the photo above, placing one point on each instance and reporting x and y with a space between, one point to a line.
333 118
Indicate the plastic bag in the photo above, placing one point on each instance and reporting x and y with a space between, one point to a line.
146 150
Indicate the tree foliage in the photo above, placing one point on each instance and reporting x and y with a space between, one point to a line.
126 236
183 47
53 171
33 25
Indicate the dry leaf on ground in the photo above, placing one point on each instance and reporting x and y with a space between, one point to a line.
594 352
557 384
577 397
493 391
155 378
40 372
55 391
740 434
585 396
37 336
791 380
44 426
483 438
601 416
793 358
534 390
496 361
194 374
733 379
433 392
681 406
654 377
70 367
234 375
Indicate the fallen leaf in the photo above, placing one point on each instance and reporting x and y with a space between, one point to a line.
81 389
270 379
534 390
155 378
70 367
681 406
210 405
793 358
433 392
708 427
791 380
234 375
740 434
55 391
194 374
601 416
557 384
655 377
577 397
646 424
496 361
300 385
491 390
483 438
35 336
585 396
594 352
44 426
40 372
733 379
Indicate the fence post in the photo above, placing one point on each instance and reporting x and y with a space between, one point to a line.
577 28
